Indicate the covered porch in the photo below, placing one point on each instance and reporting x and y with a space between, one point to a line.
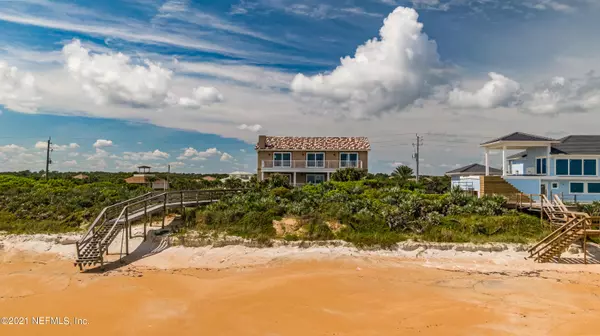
542 147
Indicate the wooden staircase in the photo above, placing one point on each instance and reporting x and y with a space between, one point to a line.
496 185
573 226
118 218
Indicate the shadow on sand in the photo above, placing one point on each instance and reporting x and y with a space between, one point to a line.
593 256
156 242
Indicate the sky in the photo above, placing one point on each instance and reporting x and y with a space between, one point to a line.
191 84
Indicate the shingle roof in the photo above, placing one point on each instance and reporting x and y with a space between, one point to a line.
473 169
518 155
578 144
519 136
316 143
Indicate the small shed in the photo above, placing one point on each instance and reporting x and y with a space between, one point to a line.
468 177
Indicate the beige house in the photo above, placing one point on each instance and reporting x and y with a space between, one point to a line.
309 159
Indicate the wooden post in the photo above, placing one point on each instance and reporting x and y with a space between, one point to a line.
165 210
182 208
197 200
127 231
584 243
541 209
145 217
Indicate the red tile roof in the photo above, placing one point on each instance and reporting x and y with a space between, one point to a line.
316 143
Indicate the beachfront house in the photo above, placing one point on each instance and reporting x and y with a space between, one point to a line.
468 177
309 159
146 178
567 166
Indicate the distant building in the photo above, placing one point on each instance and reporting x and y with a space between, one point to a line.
468 177
244 176
209 178
144 177
81 177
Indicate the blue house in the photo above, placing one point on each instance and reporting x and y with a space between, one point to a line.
567 167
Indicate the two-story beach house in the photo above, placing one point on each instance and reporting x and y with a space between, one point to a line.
568 166
309 159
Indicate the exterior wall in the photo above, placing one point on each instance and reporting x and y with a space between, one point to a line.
529 162
264 155
564 191
466 182
300 177
526 186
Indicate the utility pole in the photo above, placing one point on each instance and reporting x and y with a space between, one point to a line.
168 173
417 146
48 161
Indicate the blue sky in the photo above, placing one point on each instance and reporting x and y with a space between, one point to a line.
193 83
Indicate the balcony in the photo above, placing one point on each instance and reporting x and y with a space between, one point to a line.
303 165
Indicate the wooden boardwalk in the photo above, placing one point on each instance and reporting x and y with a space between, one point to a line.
119 217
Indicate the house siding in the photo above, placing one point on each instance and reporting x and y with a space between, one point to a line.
465 182
526 186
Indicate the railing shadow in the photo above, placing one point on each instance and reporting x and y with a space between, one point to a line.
156 242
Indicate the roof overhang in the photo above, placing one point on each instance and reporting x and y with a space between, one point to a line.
511 145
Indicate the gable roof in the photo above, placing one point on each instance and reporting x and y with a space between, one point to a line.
473 169
520 136
316 143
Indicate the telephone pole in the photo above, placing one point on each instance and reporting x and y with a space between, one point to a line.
48 161
417 146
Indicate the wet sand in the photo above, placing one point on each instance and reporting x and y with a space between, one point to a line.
341 295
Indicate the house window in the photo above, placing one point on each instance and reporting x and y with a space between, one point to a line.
315 160
593 188
576 167
576 187
554 185
282 160
541 166
315 178
562 167
348 160
589 167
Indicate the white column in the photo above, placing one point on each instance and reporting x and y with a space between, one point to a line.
294 179
548 160
504 161
262 175
487 162
328 176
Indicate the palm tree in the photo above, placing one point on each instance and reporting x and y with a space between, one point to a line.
402 172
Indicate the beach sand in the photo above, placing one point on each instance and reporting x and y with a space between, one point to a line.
237 290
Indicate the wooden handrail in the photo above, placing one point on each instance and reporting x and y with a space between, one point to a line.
557 236
552 234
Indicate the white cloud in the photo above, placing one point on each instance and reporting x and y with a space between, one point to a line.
44 145
114 78
202 96
101 143
74 154
499 91
396 164
253 128
226 157
71 163
549 5
177 164
145 156
564 95
193 154
243 150
99 155
12 149
385 74
18 91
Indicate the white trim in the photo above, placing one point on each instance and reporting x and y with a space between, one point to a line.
282 166
322 161
578 193
357 159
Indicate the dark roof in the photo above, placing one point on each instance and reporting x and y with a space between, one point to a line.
518 155
474 168
578 144
144 167
519 136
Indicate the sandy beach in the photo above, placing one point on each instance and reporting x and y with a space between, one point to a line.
237 290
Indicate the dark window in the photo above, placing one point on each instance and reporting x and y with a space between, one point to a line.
315 160
540 166
575 167
562 167
576 188
589 167
594 188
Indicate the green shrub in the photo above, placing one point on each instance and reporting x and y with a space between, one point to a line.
348 174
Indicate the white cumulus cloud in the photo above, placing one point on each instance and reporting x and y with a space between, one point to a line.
11 149
201 96
114 78
386 74
71 163
498 91
193 154
226 157
145 156
564 95
252 128
101 143
44 145
18 90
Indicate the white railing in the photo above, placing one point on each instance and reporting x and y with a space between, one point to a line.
310 164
